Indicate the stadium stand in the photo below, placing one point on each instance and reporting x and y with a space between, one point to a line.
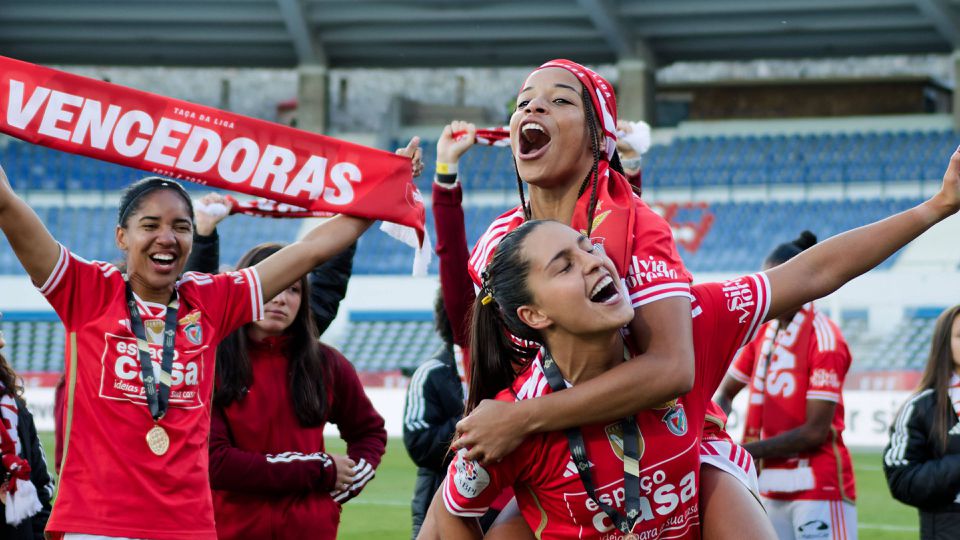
908 345
388 341
741 232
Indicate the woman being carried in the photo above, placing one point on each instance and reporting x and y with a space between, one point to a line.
563 140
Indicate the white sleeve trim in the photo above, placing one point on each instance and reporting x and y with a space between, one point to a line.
456 509
659 292
59 269
738 375
823 396
256 293
763 306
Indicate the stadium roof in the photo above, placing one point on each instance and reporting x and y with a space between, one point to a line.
385 33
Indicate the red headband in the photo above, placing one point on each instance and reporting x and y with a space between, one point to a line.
602 96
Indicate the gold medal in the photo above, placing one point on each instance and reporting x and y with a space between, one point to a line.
158 440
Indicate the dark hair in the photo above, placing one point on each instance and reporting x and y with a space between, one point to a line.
441 322
11 383
788 250
132 197
307 371
592 178
937 374
494 355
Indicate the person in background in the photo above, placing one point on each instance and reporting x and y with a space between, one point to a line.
922 460
328 282
434 404
26 484
277 387
795 369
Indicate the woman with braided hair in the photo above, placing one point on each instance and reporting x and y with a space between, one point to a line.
563 139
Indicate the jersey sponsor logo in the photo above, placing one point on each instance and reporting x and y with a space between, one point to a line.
780 377
676 421
658 498
740 298
813 529
121 377
615 438
648 270
471 478
825 378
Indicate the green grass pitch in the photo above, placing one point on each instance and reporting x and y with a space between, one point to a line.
383 510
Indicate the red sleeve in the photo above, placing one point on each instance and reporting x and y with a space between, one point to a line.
233 469
359 423
77 288
655 270
742 367
470 488
733 312
456 286
232 299
829 361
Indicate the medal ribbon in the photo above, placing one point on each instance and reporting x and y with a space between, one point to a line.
578 450
157 401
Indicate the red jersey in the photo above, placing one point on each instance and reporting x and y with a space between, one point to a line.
653 272
784 369
542 472
111 484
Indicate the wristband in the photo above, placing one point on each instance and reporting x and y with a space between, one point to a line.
446 180
446 168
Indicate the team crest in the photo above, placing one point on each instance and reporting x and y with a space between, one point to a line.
615 437
676 421
194 333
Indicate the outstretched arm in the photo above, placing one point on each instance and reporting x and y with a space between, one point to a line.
32 243
283 268
829 265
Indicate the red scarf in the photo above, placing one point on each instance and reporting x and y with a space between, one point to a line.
181 140
273 209
753 422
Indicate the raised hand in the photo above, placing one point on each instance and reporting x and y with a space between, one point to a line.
210 210
415 153
457 138
949 194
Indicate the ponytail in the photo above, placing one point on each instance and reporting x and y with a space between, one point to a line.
500 343
788 250
492 356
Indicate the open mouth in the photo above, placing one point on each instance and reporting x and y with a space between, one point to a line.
533 140
605 291
163 261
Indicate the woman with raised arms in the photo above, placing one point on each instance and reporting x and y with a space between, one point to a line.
635 476
135 460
